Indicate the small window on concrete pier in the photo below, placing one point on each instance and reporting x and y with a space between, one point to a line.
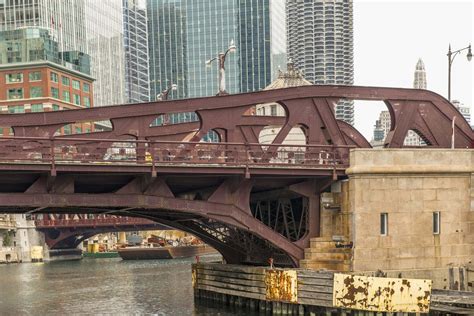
436 222
384 224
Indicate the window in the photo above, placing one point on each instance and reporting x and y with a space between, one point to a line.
67 129
56 107
87 102
54 77
263 110
76 84
86 87
65 80
37 107
15 94
36 92
66 96
384 224
55 93
14 77
35 76
13 109
77 99
78 130
273 110
436 223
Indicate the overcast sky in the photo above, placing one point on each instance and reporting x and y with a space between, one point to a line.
390 36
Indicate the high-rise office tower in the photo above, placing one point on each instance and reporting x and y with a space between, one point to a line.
320 43
137 81
419 81
166 46
104 40
83 35
183 34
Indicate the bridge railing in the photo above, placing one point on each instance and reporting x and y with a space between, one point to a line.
93 222
155 152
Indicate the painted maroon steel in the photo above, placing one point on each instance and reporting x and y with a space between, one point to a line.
166 174
94 220
67 231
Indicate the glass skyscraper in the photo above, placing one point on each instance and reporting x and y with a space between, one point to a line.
166 46
320 43
183 34
88 34
104 40
137 81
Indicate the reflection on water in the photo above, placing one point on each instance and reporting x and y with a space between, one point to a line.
101 286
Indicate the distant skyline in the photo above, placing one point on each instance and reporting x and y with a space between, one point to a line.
390 37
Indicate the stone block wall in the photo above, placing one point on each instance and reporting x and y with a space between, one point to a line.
409 185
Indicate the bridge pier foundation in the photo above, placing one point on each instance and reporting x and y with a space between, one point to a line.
70 254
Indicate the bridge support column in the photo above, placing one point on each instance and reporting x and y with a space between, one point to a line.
69 254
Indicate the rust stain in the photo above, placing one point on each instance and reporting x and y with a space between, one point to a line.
194 276
381 294
281 285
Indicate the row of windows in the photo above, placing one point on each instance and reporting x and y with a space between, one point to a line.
36 76
384 223
15 109
76 84
66 96
37 92
18 77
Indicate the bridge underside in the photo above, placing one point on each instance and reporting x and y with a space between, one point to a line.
72 237
248 220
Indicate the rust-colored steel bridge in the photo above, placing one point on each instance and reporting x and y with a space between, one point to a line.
66 231
249 200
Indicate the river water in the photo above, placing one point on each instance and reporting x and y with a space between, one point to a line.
102 286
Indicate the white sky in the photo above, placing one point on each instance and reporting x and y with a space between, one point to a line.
390 36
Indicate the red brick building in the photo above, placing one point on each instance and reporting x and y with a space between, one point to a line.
44 86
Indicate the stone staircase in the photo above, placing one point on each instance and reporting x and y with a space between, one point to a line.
323 255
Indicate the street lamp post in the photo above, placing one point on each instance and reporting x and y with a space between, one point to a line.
451 55
221 58
163 96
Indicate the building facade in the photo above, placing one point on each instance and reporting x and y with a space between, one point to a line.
135 36
84 35
320 43
184 34
104 43
166 47
465 110
44 86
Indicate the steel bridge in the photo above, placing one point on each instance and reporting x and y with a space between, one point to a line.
249 200
67 231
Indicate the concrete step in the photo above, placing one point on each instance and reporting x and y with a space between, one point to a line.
330 265
327 256
322 244
329 238
329 250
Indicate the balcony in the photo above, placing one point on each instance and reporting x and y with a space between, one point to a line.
6 222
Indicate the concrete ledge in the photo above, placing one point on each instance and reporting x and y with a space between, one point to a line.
412 169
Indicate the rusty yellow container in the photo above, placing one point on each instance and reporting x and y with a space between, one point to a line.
93 248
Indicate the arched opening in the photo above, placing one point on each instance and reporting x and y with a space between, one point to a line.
415 139
293 152
85 127
175 118
6 131
372 119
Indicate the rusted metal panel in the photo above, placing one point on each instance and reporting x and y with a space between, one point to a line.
381 294
281 285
